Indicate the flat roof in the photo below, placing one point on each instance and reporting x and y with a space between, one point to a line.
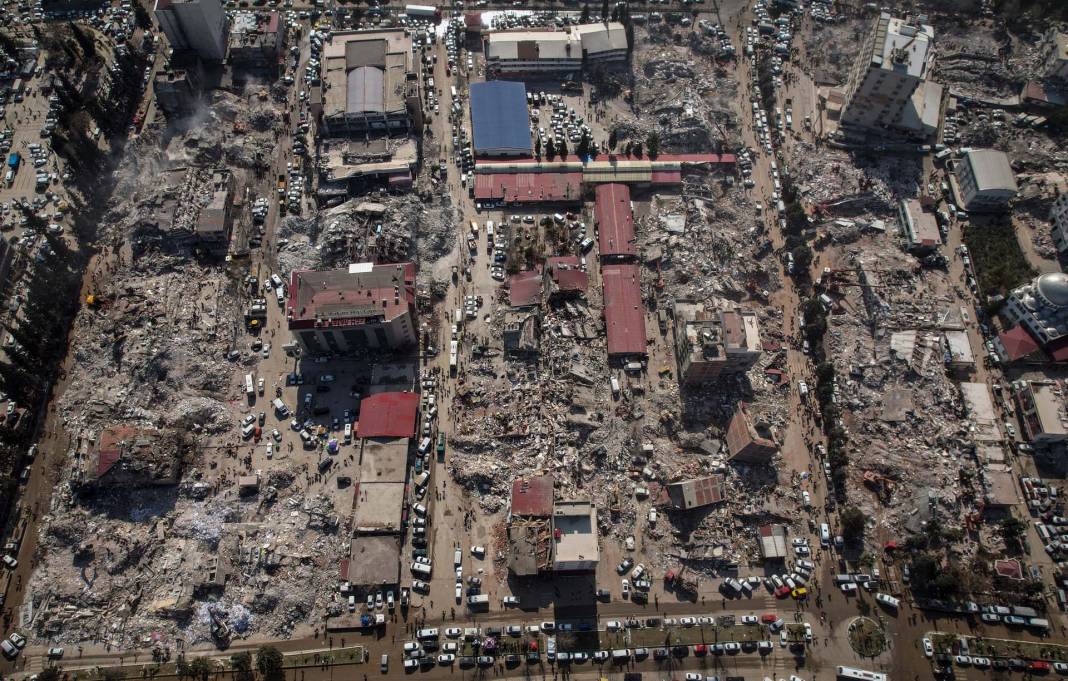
334 298
379 506
384 459
388 414
1000 486
499 119
524 288
366 71
902 47
374 560
529 187
772 541
533 497
624 312
960 348
575 532
980 406
991 169
615 220
695 493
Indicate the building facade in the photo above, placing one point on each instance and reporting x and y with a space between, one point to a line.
1041 307
1055 52
1058 215
544 51
1042 413
986 180
749 440
893 63
256 40
197 25
366 307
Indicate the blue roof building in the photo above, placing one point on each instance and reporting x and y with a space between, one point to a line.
499 119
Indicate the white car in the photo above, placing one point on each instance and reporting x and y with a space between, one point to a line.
10 562
511 601
928 649
478 551
687 621
459 591
749 619
446 659
454 632
694 676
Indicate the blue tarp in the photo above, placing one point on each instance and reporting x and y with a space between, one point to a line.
499 118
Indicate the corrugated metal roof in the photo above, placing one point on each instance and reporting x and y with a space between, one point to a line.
615 221
533 497
365 90
624 314
529 187
388 415
499 119
524 288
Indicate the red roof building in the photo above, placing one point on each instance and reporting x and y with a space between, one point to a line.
524 288
367 306
529 187
1016 344
624 313
615 222
388 415
533 497
567 274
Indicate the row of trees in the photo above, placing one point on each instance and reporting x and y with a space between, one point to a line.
268 662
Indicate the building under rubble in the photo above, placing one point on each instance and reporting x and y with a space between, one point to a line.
709 344
364 307
918 226
687 494
546 535
125 457
370 84
750 440
550 52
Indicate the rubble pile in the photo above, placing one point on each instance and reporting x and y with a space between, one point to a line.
971 58
871 184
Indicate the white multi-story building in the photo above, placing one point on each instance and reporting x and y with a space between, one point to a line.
1058 215
545 51
986 180
1041 307
197 25
892 64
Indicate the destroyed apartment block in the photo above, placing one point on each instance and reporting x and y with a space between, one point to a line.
711 343
750 440
351 167
696 493
198 213
256 41
919 227
529 527
979 406
126 457
521 332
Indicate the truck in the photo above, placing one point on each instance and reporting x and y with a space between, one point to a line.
250 386
13 160
422 11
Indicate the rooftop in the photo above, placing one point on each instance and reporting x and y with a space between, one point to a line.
132 456
624 312
567 273
575 532
533 497
902 47
337 298
384 459
615 220
696 493
499 120
991 169
374 561
366 71
772 542
378 507
1043 409
388 414
524 288
566 44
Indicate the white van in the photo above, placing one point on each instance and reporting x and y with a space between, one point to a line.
422 479
424 446
276 281
825 535
280 296
457 557
248 430
280 407
421 569
348 432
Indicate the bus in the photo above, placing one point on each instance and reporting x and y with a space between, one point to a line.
250 388
854 674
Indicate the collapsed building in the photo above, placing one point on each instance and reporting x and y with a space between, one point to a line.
130 457
256 41
750 440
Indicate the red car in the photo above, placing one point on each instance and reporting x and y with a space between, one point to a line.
768 617
1039 666
782 592
700 649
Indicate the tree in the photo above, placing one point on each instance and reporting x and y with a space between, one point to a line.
652 143
269 663
242 665
550 150
562 148
604 9
49 674
636 148
1012 530
802 258
200 669
613 139
537 147
144 21
113 674
181 668
853 520
585 16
